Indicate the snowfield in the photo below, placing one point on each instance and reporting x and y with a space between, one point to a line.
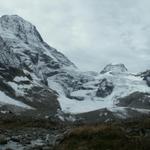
124 84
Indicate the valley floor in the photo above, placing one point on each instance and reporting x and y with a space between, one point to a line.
30 134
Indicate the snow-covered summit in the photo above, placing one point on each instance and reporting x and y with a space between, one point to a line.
16 26
24 45
114 68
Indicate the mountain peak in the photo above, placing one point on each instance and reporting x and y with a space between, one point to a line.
19 29
12 17
15 21
118 68
22 45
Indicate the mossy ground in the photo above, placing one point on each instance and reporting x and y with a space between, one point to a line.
126 135
118 135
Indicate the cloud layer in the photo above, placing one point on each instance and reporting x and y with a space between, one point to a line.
92 33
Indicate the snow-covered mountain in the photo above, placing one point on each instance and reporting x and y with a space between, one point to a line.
89 92
21 39
34 77
115 68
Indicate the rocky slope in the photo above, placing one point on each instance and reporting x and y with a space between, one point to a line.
37 80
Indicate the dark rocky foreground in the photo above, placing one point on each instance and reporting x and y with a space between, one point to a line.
28 139
45 134
30 134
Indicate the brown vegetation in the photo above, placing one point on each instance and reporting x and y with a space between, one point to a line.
126 135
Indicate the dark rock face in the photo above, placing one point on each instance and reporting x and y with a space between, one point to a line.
42 99
135 100
146 76
148 80
7 57
105 88
101 115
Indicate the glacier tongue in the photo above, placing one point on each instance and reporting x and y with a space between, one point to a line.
77 92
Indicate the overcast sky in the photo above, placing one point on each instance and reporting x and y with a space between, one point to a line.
91 33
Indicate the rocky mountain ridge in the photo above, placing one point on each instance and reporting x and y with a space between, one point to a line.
38 80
